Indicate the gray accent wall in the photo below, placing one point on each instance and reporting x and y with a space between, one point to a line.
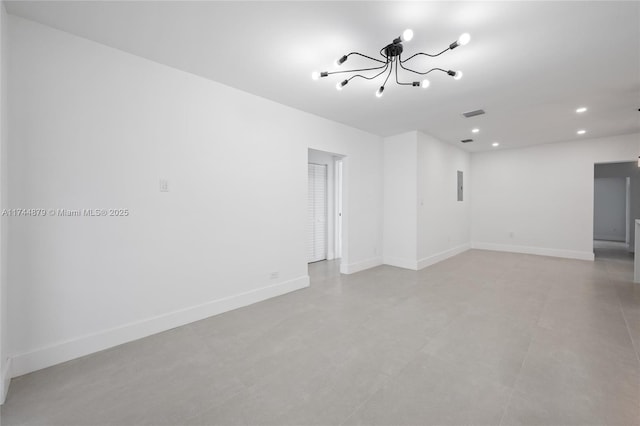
621 170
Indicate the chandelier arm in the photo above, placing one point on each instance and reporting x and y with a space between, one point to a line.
369 78
422 73
388 75
358 70
426 54
397 81
365 56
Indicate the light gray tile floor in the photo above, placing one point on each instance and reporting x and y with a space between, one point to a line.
483 338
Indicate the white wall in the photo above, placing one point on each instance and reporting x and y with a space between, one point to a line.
610 209
93 127
423 221
5 365
539 199
443 221
400 190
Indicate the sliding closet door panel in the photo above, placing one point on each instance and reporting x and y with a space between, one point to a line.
317 210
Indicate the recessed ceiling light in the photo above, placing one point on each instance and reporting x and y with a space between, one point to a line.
475 130
495 144
581 132
581 109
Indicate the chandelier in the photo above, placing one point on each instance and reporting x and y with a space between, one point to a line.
392 54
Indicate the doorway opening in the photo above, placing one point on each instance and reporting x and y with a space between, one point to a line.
325 208
616 206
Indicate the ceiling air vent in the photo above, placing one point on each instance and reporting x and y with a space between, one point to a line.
466 140
473 113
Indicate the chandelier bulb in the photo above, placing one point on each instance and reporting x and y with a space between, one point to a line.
379 92
341 84
341 60
407 35
457 75
315 75
464 39
425 83
461 41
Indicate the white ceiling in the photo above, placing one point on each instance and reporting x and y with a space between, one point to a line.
529 64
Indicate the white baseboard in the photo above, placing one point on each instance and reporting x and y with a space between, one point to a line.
352 268
439 257
85 345
540 251
614 238
401 263
416 265
6 380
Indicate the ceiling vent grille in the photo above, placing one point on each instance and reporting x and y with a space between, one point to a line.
466 140
473 113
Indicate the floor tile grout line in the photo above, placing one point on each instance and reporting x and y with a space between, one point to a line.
391 378
624 317
626 323
515 382
214 405
524 359
417 354
366 400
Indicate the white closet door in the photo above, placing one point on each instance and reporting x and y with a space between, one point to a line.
317 207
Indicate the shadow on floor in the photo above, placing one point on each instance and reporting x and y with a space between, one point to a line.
612 250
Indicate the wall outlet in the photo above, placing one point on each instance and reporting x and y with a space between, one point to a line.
164 185
274 275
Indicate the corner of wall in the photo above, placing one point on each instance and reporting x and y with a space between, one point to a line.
439 257
352 268
401 263
5 362
400 202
